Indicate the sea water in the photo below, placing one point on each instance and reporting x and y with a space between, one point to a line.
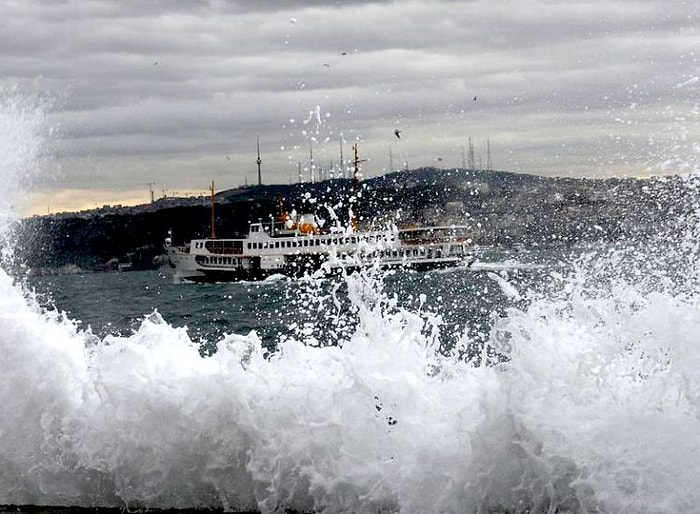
571 387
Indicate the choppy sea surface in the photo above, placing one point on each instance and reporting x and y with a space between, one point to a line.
317 308
546 381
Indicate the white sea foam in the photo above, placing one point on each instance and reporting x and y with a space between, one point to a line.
596 409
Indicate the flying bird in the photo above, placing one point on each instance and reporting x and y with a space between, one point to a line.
397 133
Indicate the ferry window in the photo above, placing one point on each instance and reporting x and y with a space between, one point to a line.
318 242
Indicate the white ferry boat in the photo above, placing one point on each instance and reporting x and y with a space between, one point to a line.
294 247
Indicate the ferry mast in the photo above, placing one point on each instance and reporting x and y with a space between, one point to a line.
213 217
354 224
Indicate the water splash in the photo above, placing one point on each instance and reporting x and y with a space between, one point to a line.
24 132
592 407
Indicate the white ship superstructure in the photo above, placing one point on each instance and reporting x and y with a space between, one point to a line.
296 246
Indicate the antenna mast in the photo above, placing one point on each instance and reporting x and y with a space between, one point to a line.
258 161
311 162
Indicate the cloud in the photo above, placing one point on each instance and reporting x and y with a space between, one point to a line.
162 90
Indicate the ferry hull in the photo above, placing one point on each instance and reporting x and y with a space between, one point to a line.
186 269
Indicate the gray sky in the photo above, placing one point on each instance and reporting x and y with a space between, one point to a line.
175 92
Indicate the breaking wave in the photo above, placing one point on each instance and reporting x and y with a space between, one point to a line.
585 398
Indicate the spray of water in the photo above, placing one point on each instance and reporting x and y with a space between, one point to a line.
593 405
23 129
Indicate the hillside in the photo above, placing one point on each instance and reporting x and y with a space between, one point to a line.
502 208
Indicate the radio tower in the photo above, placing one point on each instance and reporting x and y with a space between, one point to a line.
258 161
488 155
470 155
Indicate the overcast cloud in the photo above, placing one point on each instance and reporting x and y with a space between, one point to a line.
176 92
